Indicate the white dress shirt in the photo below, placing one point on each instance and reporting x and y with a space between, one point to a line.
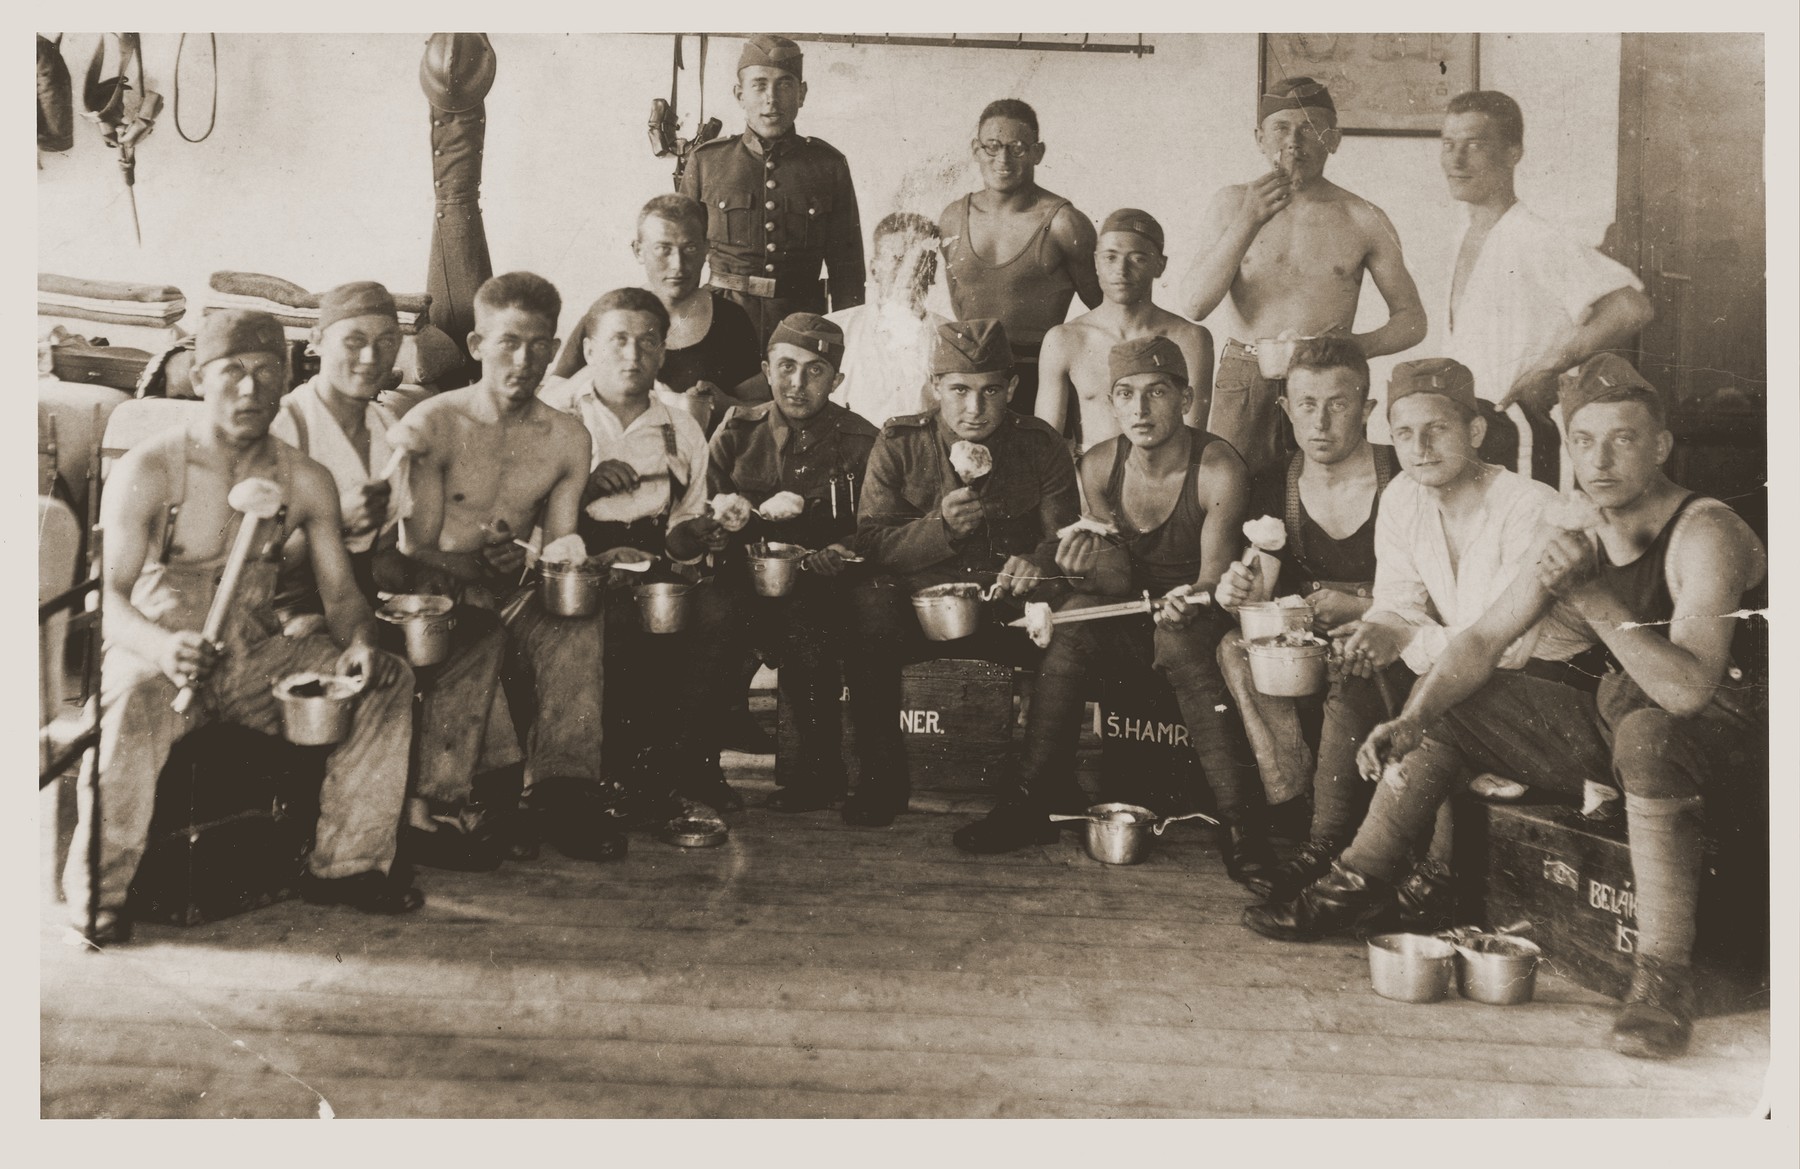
676 481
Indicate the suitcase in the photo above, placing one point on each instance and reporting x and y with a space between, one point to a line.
234 818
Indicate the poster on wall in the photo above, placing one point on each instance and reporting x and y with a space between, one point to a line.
1382 82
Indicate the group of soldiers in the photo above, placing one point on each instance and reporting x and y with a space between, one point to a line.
1481 624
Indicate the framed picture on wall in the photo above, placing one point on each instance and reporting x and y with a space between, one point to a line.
1382 82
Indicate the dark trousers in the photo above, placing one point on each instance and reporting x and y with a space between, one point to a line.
1500 446
768 311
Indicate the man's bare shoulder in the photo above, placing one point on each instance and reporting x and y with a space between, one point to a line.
147 466
1176 327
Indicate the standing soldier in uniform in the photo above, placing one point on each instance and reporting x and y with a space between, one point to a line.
800 443
776 203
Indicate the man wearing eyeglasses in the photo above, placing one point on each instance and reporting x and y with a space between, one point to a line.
1175 496
1289 249
1129 258
1013 251
778 204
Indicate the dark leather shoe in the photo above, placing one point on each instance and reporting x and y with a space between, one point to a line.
370 892
868 808
446 848
1339 901
1248 856
1657 1020
1005 829
1425 899
794 800
1285 880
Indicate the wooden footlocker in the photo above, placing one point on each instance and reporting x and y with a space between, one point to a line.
1145 755
1573 880
956 727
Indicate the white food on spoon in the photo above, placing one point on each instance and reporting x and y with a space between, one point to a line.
731 510
1038 625
569 549
971 460
1266 534
784 505
1086 524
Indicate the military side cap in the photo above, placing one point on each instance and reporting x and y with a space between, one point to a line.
813 333
457 70
1295 93
1146 355
1133 220
1603 376
229 332
773 51
363 298
978 346
1433 375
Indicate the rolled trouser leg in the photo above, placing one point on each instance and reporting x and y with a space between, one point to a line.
137 731
1404 809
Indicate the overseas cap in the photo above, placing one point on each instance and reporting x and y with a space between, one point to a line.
1131 219
229 332
775 52
1603 376
1433 375
971 347
1146 355
1295 93
363 298
813 333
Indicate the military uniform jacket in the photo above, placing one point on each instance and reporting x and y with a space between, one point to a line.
1029 495
774 211
756 453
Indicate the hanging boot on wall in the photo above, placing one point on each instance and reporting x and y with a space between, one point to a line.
456 74
55 97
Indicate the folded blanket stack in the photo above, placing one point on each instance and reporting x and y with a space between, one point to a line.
111 302
294 306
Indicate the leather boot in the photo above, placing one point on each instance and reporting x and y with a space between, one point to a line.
1046 773
1425 899
1339 901
1657 1020
820 783
1284 881
1248 857
1013 824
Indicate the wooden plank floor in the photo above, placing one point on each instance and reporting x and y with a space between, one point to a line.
810 969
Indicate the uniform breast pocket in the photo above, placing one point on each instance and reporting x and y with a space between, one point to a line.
730 217
808 217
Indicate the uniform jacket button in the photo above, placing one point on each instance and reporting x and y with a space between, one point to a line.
768 267
769 226
769 206
770 184
769 247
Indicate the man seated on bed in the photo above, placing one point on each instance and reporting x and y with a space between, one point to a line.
170 527
486 465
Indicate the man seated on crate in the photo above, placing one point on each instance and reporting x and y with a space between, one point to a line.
970 492
485 465
170 528
1658 576
803 457
1450 534
1328 495
467 743
1173 499
646 490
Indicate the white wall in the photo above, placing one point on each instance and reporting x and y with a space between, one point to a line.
319 170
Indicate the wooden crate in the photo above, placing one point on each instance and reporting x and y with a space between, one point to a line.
956 727
1145 755
1573 880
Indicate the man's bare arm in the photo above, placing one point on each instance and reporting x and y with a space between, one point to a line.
1055 386
1611 322
1074 236
1224 491
1233 218
1716 560
134 492
1406 323
314 509
562 509
424 526
1197 346
1472 655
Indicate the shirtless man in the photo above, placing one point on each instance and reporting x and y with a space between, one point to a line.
1013 251
1657 576
1176 498
488 463
1290 249
1129 259
169 527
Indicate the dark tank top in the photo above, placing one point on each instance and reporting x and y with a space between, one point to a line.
1643 585
1312 557
1168 554
1030 293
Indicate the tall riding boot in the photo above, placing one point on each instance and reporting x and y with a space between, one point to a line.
812 694
1046 773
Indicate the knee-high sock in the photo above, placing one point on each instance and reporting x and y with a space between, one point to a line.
1665 865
